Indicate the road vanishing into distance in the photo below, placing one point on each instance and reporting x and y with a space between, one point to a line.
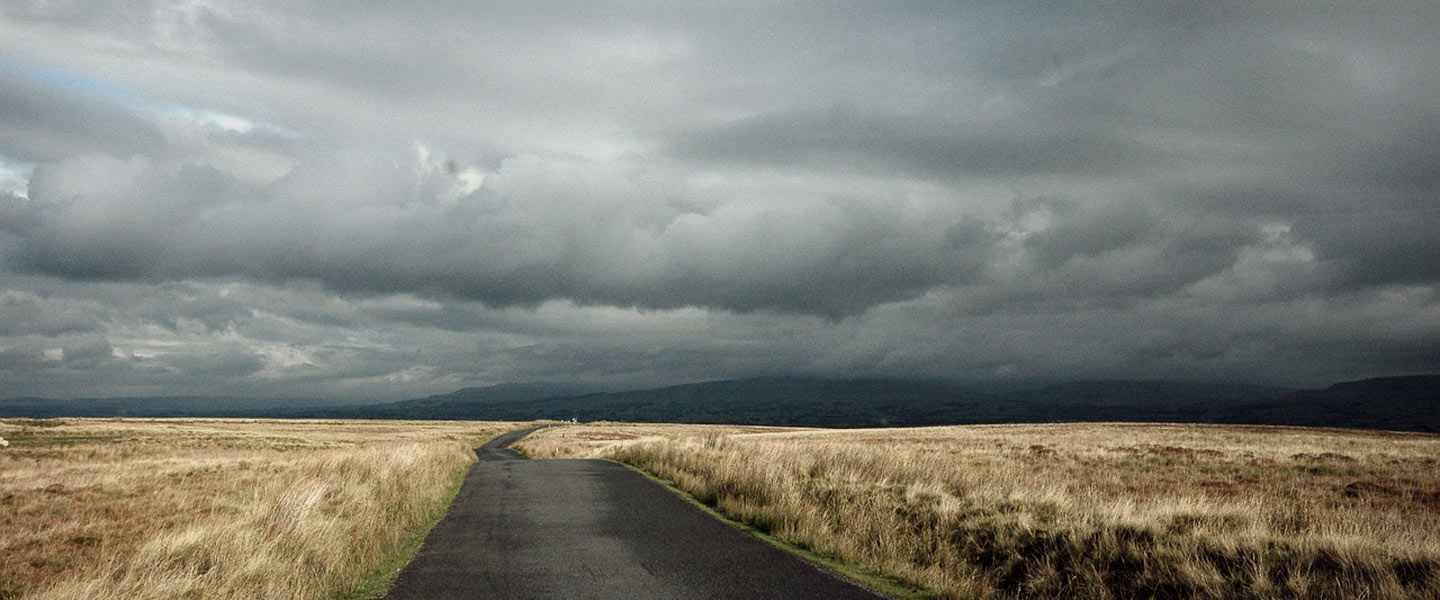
533 529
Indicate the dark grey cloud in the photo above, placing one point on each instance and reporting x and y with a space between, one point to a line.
536 230
44 121
1366 247
23 313
293 198
841 139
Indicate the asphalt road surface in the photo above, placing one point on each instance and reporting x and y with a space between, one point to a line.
529 529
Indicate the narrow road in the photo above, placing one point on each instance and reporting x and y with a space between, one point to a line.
532 529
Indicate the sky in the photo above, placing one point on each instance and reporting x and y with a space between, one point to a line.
384 200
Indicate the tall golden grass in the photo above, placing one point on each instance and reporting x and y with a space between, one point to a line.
1071 511
218 508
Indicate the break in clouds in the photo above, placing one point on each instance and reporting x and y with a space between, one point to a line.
387 201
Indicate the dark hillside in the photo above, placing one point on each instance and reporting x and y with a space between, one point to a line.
1392 403
1395 403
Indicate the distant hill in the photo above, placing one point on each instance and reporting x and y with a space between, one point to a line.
765 400
162 406
1408 403
467 403
778 401
1394 403
844 403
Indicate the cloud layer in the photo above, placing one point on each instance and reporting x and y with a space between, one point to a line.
287 198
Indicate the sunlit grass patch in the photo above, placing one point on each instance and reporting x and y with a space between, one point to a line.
1079 510
219 508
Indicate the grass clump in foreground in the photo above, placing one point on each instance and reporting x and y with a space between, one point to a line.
221 508
1073 511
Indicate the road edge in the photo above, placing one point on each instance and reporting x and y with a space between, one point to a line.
378 581
875 582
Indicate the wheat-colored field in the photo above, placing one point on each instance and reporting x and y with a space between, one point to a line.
1069 510
120 508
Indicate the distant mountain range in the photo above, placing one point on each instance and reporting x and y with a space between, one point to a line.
159 406
1391 403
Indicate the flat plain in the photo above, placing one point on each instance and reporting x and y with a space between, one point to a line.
212 508
217 508
1068 510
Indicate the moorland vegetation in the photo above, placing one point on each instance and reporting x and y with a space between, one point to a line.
224 509
1068 510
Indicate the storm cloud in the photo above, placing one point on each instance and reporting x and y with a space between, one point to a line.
292 198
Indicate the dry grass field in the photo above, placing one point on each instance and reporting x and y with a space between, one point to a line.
93 508
1070 510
